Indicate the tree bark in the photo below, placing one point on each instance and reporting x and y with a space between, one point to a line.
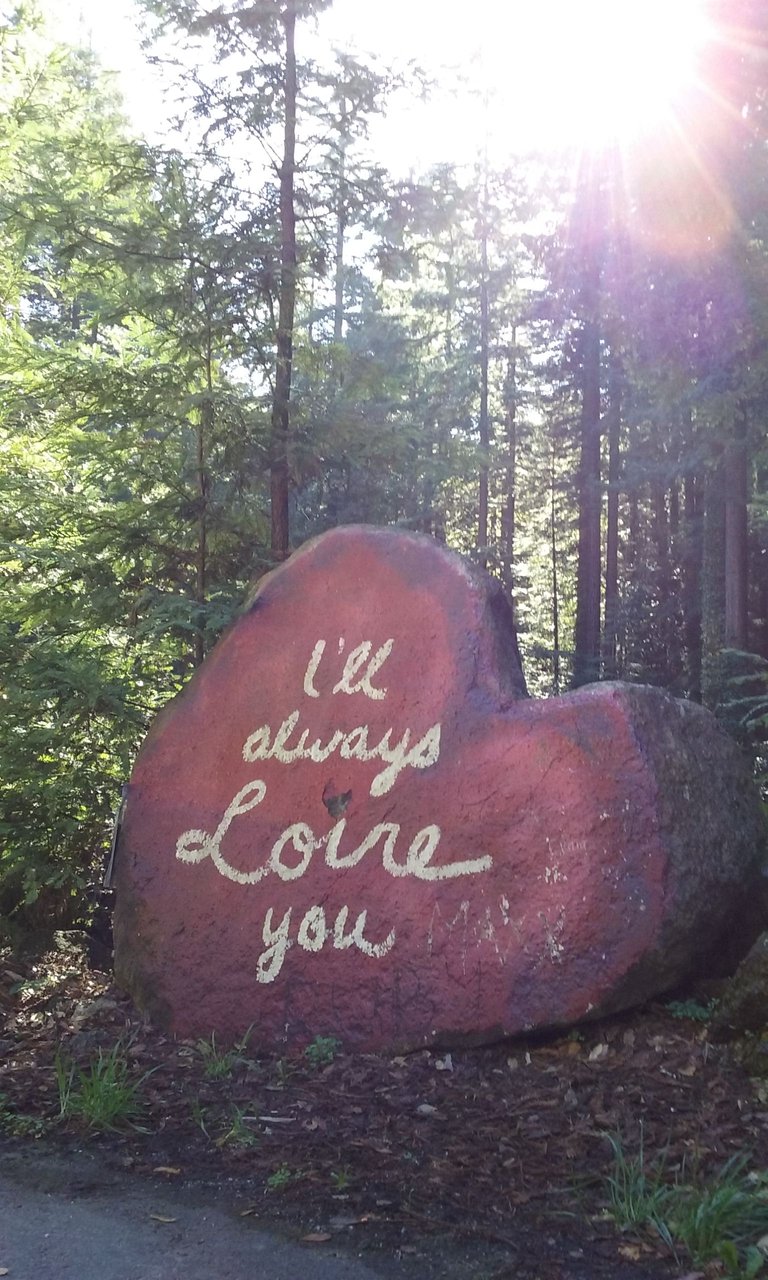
510 474
483 422
555 582
713 587
736 546
341 227
586 662
279 471
692 584
204 427
613 415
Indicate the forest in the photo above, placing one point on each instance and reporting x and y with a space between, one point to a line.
212 351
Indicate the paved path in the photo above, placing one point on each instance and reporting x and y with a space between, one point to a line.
59 1222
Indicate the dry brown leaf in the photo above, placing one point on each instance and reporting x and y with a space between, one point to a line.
631 1252
161 1217
316 1237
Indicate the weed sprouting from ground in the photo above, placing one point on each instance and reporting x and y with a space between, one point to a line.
722 1219
17 1125
282 1177
218 1064
102 1095
322 1051
637 1192
695 1010
239 1134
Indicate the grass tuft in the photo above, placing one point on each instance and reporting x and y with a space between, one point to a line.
218 1063
721 1220
102 1096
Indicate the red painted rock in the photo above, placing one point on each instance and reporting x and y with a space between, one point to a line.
353 822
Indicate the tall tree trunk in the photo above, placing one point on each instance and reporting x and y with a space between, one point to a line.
484 422
586 661
341 227
613 416
761 642
633 496
555 582
665 587
713 587
736 545
692 584
510 473
279 474
675 633
204 428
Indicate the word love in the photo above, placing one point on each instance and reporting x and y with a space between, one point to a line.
312 935
195 845
264 744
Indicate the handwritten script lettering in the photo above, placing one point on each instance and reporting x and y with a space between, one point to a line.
351 681
195 845
291 854
312 935
266 744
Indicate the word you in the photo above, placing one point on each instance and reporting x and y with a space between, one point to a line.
312 935
195 845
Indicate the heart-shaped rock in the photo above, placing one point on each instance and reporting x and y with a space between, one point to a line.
353 821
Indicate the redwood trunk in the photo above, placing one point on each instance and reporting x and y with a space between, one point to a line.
279 472
341 228
610 638
586 661
736 546
510 475
692 584
483 425
555 582
204 429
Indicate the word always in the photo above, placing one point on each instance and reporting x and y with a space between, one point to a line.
264 744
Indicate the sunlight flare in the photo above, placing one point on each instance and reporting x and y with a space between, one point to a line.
599 70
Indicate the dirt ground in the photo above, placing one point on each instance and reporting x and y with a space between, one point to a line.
484 1164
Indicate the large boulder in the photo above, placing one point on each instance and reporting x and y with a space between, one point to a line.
354 822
